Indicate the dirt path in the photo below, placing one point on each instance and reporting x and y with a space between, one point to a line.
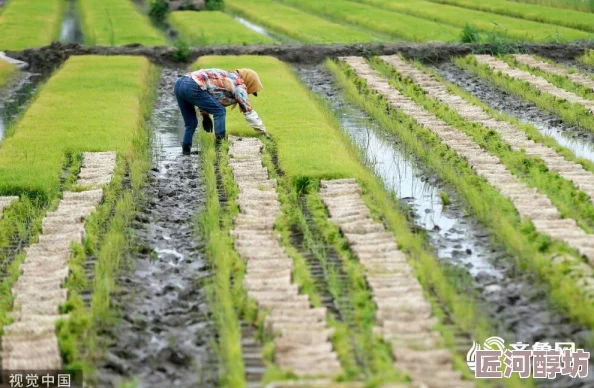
166 335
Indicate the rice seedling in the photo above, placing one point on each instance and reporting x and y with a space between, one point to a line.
570 112
396 25
456 16
296 24
214 28
538 13
488 204
39 28
91 104
116 23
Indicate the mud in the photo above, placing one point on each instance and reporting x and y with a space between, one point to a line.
70 31
165 334
14 98
48 58
515 303
579 141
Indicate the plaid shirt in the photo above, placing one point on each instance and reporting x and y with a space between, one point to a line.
226 86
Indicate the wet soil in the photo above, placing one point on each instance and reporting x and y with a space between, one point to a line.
165 336
14 98
516 305
581 142
50 57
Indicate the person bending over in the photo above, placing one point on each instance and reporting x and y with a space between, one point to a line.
211 90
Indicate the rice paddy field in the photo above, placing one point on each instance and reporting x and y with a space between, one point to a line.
421 213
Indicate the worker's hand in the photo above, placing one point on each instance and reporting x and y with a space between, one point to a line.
207 122
255 122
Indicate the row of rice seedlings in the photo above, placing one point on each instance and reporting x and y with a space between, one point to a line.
302 143
39 27
572 113
483 21
538 253
296 24
214 28
538 13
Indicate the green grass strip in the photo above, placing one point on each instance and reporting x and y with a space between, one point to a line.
538 13
534 251
394 24
459 17
579 5
297 24
7 71
560 81
569 200
587 58
531 131
116 23
91 104
305 134
214 28
30 23
575 114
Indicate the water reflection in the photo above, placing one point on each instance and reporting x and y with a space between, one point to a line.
13 100
451 233
253 27
70 31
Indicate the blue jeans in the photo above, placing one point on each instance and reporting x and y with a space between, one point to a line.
189 95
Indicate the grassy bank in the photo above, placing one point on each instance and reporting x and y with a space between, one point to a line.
39 27
91 104
7 71
396 25
572 113
214 28
459 17
534 252
116 23
296 24
303 143
538 13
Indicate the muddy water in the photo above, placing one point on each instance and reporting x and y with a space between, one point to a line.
579 141
165 335
14 99
516 305
70 31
